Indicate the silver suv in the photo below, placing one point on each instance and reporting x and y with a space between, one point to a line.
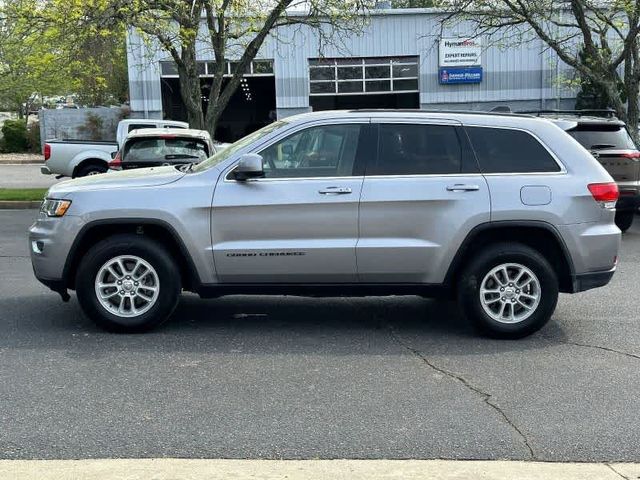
499 211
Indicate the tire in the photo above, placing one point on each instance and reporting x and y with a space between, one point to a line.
624 220
91 169
523 321
149 298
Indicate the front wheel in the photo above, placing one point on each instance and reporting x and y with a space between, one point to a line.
509 290
624 220
128 283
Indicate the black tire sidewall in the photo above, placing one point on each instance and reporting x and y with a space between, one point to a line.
624 220
469 290
84 171
150 251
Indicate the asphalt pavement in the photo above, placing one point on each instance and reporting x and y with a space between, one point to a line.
301 378
24 176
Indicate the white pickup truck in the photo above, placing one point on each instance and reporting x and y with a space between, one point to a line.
78 158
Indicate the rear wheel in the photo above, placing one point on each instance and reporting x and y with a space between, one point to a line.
509 290
624 220
91 169
128 283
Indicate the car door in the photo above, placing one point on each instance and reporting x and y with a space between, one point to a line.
421 196
298 224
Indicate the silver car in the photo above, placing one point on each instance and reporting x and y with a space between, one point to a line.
501 212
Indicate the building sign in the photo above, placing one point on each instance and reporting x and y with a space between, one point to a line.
460 61
460 52
452 76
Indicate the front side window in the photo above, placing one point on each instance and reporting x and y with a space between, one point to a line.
501 150
414 149
154 150
323 151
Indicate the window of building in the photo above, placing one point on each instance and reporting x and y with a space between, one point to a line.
208 69
348 76
414 149
323 151
501 150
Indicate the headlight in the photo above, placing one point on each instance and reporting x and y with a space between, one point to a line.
55 208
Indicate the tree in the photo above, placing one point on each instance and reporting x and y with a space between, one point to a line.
599 39
53 47
223 26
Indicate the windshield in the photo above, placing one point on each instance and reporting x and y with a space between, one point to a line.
600 137
234 147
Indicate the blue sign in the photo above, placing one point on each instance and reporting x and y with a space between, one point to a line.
455 75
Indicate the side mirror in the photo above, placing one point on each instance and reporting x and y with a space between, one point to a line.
249 166
114 154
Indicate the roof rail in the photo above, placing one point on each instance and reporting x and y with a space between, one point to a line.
603 112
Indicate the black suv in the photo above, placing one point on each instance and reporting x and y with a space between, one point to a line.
607 138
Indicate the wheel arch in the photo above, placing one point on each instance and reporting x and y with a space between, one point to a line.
155 229
539 235
86 162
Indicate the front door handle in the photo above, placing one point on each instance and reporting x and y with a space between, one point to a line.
460 187
335 191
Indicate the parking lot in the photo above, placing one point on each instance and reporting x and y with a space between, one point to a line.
289 377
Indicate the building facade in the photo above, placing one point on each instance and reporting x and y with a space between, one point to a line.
402 58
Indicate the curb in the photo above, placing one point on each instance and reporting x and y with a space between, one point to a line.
200 469
14 163
19 204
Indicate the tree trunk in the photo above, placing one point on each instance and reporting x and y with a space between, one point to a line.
190 89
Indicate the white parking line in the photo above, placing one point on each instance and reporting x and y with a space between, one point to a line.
179 469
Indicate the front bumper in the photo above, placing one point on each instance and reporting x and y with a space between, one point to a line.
50 241
588 281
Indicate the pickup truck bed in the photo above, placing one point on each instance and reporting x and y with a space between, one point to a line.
76 158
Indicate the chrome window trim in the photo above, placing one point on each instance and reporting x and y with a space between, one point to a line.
563 169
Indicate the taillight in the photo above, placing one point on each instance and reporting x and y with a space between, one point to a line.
46 151
631 154
606 194
116 163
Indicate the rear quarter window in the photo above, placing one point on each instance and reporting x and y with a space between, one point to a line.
502 150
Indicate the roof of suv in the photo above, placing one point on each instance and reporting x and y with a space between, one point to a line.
584 117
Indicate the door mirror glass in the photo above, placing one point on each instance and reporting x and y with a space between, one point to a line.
249 166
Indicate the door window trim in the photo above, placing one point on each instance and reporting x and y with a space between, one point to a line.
293 131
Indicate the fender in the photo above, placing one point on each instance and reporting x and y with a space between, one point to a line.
71 256
87 155
483 227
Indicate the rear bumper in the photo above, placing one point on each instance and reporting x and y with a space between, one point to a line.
588 281
629 200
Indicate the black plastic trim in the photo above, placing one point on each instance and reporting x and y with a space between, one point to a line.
322 289
591 280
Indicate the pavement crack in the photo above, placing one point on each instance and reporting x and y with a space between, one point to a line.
616 472
606 349
486 397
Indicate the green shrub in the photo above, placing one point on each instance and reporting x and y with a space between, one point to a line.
14 133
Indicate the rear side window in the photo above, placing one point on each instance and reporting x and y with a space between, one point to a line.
602 137
406 149
501 150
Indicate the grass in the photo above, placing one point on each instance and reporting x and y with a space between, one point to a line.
22 193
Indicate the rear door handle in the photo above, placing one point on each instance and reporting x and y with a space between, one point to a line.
335 191
460 187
